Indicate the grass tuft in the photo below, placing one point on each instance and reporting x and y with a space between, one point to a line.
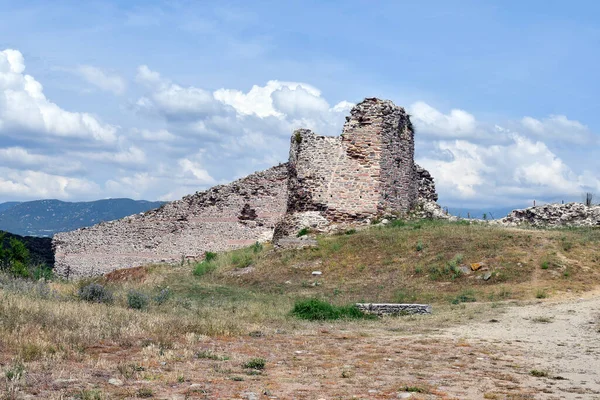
319 310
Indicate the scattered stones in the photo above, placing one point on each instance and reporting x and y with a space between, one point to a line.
476 266
250 396
405 395
394 309
465 270
553 215
317 273
115 382
487 276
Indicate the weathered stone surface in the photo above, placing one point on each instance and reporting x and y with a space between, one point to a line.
366 172
393 308
221 218
555 215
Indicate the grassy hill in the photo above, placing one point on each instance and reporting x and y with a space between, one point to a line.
47 217
172 326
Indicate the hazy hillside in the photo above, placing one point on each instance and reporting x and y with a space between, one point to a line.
7 205
47 217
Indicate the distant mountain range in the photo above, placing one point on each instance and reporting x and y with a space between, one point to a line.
44 218
478 213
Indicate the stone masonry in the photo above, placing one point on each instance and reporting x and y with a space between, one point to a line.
367 172
222 218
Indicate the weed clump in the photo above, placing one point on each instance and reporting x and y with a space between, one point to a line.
319 310
137 300
255 363
204 267
95 293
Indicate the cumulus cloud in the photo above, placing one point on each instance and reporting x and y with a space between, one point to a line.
25 108
523 169
28 184
559 128
429 121
106 81
24 158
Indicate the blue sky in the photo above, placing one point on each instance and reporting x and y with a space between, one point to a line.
158 99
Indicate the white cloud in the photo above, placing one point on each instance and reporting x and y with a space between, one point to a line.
194 170
23 107
104 80
21 157
558 127
161 135
29 184
429 121
132 155
259 100
524 169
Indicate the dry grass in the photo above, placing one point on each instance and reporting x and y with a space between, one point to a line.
210 325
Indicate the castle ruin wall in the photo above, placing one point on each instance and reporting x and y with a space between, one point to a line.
222 218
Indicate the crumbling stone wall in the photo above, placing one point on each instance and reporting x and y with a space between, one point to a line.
554 215
366 172
221 218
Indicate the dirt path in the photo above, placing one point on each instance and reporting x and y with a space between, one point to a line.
560 338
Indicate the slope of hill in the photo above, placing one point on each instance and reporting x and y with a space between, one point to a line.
7 205
47 217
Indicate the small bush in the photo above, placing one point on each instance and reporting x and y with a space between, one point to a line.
303 232
541 294
319 310
15 372
255 363
419 246
545 265
204 267
209 256
162 296
137 300
95 293
241 260
257 247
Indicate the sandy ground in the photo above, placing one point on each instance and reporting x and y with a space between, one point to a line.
561 338
489 356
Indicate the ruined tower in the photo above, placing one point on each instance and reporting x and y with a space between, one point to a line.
366 172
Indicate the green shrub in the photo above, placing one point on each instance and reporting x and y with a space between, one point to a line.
319 310
95 293
210 256
303 232
204 267
257 247
137 300
241 260
545 265
419 246
255 363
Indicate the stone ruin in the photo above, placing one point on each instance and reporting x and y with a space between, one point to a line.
367 172
329 182
554 215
